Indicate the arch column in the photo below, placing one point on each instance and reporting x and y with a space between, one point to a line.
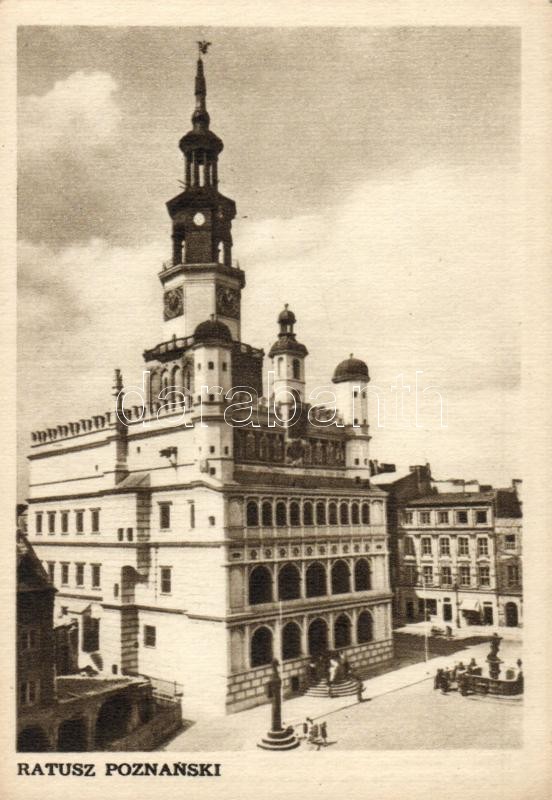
303 583
331 633
247 647
354 619
305 635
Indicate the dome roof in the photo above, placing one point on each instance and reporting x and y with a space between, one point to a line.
212 330
352 369
286 317
287 344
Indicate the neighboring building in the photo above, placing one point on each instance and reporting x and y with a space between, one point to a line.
188 546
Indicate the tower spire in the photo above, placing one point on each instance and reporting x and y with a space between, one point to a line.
200 117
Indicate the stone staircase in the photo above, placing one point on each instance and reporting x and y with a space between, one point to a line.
346 687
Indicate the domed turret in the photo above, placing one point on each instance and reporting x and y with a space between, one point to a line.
212 331
288 356
287 342
351 369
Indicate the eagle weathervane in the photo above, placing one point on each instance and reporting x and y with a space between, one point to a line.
203 47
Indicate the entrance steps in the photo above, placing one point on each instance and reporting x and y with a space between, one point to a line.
346 687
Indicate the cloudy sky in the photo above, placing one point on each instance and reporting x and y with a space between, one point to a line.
376 177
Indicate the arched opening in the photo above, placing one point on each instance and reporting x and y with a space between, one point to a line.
344 514
289 583
511 613
296 367
307 513
281 515
260 586
72 736
355 515
176 385
113 719
291 641
267 514
342 631
32 740
332 513
261 647
318 637
252 514
221 253
280 366
316 580
365 513
320 513
294 514
341 579
365 627
362 575
155 387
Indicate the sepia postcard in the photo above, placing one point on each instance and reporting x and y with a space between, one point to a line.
277 311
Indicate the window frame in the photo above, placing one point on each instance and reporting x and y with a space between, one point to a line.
163 580
94 584
79 573
165 508
149 635
461 541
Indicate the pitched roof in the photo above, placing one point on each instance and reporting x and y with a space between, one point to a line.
31 575
454 499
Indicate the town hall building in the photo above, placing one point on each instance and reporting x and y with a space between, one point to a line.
195 538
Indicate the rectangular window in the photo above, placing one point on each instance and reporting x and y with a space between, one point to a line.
446 576
510 541
425 517
79 521
120 534
52 570
79 574
64 573
130 534
96 576
443 517
166 580
462 517
38 522
28 693
428 574
513 574
463 546
408 517
51 521
426 546
481 517
164 516
192 515
95 520
149 636
64 521
410 575
465 575
90 634
484 576
444 546
409 549
483 547
30 638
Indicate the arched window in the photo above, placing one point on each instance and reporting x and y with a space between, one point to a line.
332 512
164 381
296 367
362 575
281 514
291 641
307 513
252 514
263 447
316 580
365 627
260 586
318 637
155 387
289 583
294 514
344 514
280 366
342 631
261 647
365 513
320 513
341 579
267 514
221 253
355 516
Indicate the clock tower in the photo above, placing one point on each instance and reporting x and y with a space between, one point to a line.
200 279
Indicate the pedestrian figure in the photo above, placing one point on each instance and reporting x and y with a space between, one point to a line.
445 683
359 689
438 678
324 733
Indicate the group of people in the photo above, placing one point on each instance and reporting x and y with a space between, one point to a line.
334 668
315 733
457 677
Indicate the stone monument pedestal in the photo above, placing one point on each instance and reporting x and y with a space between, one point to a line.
278 737
284 739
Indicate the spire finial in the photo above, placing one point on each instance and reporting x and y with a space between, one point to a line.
200 117
350 355
203 46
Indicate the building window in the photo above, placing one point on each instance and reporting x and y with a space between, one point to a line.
166 580
149 635
90 634
120 534
51 521
481 517
408 517
410 575
427 572
296 369
465 575
446 576
211 365
426 546
38 522
64 573
192 515
96 576
365 513
79 521
443 517
513 575
164 516
510 541
332 511
425 518
130 534
28 693
409 549
51 570
484 576
462 517
30 638
483 547
463 546
95 520
79 574
444 546
64 521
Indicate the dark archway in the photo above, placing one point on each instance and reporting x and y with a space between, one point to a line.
365 513
289 583
362 575
261 647
355 514
318 637
342 631
365 627
341 578
72 736
332 513
320 514
267 514
32 740
344 514
511 613
252 514
294 514
260 586
316 580
308 518
281 515
291 641
112 721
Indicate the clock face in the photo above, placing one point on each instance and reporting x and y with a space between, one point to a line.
173 303
228 302
199 219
